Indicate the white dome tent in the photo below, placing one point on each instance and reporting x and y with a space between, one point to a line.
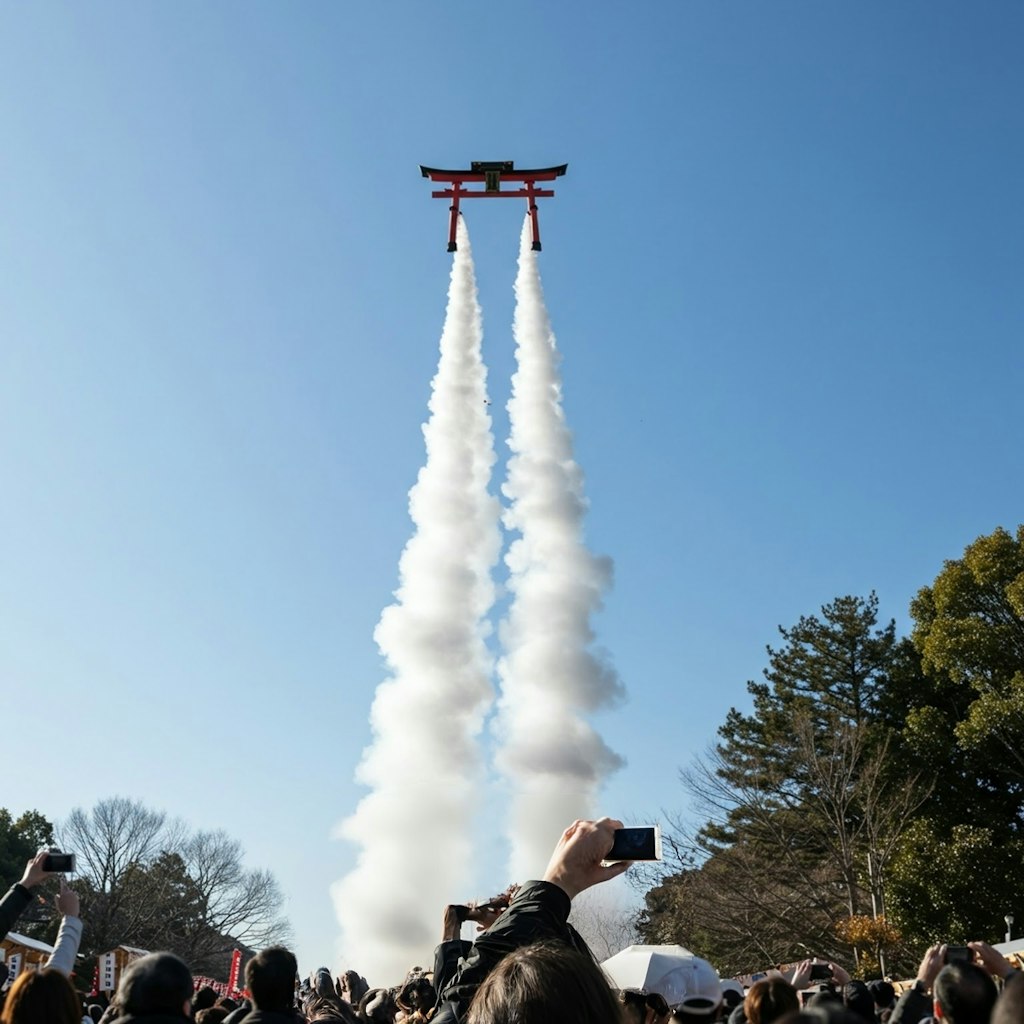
673 971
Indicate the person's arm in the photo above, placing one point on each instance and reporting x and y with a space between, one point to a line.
992 960
539 910
70 935
802 975
19 895
840 975
916 1002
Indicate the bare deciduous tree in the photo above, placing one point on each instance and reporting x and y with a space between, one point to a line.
607 926
150 882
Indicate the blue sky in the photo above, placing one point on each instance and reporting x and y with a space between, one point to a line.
785 275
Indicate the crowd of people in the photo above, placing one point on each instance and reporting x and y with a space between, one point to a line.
528 965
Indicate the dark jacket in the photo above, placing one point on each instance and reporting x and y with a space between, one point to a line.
14 901
911 1007
540 910
447 957
273 1017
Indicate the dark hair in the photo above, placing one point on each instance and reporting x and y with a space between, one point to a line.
544 982
634 1005
157 983
417 994
211 1015
731 998
859 1000
827 1011
769 999
378 1004
270 977
351 987
203 998
42 995
322 1007
637 1002
882 992
965 993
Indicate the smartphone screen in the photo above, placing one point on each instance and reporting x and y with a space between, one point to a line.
638 843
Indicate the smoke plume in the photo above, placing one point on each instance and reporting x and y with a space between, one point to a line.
552 758
423 767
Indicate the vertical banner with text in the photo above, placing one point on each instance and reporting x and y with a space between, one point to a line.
107 965
236 966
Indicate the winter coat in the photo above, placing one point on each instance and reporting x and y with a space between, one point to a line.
540 910
15 900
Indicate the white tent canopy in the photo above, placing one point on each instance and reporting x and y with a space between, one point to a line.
673 971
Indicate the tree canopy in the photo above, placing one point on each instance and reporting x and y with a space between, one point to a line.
150 882
870 802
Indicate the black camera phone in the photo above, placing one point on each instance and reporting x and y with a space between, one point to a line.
639 843
63 862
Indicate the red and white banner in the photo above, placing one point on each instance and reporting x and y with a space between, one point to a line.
236 967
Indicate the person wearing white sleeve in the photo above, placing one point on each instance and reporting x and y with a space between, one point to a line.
70 935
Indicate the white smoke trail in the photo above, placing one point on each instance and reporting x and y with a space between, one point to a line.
423 767
552 758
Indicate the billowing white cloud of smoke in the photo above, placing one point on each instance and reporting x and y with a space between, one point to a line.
414 829
551 678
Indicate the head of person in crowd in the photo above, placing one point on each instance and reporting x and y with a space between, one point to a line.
883 994
211 1015
321 982
351 986
322 1008
695 1010
859 1001
416 995
203 998
769 999
732 995
378 1005
38 996
634 1006
964 993
826 1011
640 1007
159 984
698 1007
321 1002
826 999
93 1011
658 1010
270 978
546 981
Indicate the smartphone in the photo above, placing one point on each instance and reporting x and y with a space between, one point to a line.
63 862
637 843
955 954
820 972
